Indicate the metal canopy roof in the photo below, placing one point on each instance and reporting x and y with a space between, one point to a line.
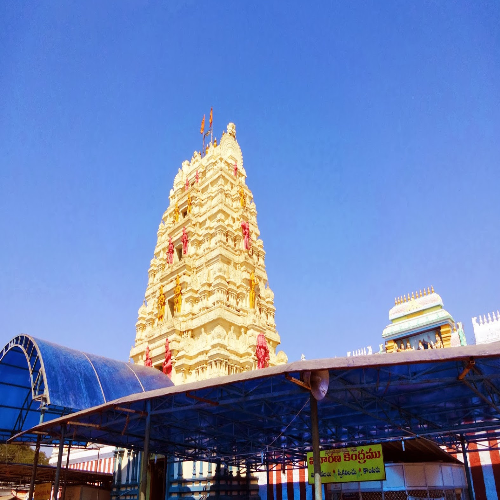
36 374
265 414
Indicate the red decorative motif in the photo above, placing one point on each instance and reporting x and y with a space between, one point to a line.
148 361
245 227
262 351
167 362
185 241
187 184
235 169
170 251
197 177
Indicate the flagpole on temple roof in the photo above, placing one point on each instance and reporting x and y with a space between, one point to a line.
202 130
210 121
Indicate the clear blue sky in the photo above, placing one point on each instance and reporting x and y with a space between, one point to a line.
371 139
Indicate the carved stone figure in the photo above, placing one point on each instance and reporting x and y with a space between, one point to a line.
439 343
148 361
197 177
235 169
262 352
177 295
243 198
185 241
167 362
245 228
176 213
190 204
253 282
187 184
170 251
161 305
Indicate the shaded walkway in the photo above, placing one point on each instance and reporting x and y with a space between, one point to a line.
38 377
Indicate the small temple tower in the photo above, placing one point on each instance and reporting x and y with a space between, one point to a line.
487 329
208 305
420 321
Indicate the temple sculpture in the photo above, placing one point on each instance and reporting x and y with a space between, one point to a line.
207 299
262 352
161 305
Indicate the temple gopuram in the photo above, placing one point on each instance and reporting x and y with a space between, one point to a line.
208 309
420 321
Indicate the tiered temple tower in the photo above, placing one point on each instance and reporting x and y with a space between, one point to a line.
421 322
207 290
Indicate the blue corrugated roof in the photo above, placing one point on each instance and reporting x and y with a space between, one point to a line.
34 372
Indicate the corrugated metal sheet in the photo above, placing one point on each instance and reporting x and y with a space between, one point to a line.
35 372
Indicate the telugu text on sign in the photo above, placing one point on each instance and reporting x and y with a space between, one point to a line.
361 463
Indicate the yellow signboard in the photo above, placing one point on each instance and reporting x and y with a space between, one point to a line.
42 491
345 465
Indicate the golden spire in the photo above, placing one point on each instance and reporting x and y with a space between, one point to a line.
420 293
428 291
412 296
404 298
432 289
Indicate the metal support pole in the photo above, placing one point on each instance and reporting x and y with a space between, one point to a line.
270 492
248 480
467 468
145 459
35 464
318 495
66 473
218 473
35 459
59 460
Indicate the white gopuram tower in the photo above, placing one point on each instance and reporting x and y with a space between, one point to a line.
207 290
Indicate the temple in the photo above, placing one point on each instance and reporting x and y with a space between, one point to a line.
487 328
420 321
207 299
208 311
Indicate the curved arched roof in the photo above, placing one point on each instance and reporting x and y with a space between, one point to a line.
35 373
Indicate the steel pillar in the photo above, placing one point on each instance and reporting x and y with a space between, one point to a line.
59 460
318 495
35 458
145 459
467 468
63 495
35 464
